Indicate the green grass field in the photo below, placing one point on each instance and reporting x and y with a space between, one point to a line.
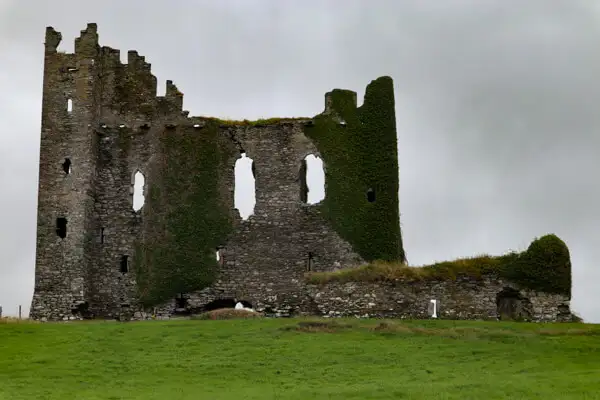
299 359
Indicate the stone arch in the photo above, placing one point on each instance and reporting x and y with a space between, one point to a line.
512 306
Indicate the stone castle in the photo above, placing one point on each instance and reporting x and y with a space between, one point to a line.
187 249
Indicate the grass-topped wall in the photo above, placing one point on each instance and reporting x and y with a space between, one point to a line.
185 216
545 266
359 149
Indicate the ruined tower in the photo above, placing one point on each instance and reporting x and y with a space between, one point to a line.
102 122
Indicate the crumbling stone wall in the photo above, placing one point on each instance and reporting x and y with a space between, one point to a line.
461 299
118 126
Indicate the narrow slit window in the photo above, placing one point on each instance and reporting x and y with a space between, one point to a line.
61 227
124 264
102 235
310 262
69 105
66 165
370 195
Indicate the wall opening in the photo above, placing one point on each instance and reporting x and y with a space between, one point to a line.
512 306
66 165
102 235
69 105
61 227
124 264
370 195
139 182
181 302
312 180
220 303
219 255
310 262
245 186
243 304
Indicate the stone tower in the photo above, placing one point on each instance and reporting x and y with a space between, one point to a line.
187 247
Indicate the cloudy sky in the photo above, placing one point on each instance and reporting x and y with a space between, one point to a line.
495 105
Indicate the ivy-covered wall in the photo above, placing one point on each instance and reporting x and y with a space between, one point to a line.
186 217
359 148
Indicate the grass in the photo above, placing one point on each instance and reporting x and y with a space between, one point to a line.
258 122
383 271
545 266
299 359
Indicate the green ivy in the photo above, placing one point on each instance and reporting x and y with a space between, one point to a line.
185 219
545 266
358 156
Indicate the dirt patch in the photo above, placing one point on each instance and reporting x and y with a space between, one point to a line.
228 313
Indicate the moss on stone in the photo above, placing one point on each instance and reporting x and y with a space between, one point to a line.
359 149
258 122
185 219
545 266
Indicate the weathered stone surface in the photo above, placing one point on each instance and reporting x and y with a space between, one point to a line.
460 299
90 154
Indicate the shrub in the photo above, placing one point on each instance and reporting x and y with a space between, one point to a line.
544 266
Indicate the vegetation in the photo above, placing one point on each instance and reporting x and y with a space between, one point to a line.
544 266
185 218
299 359
228 313
361 155
245 122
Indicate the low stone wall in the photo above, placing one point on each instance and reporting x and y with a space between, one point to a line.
461 299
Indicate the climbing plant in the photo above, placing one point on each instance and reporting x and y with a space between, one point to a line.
186 217
359 148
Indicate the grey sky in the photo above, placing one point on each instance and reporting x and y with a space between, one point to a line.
496 106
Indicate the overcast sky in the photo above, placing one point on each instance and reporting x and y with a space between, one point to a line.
496 106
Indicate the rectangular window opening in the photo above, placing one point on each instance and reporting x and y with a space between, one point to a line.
124 264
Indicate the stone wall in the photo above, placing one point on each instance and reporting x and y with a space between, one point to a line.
118 126
461 299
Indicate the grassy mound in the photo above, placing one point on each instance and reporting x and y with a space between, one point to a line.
544 266
228 313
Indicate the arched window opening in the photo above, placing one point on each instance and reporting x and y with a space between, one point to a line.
69 105
139 182
312 180
245 186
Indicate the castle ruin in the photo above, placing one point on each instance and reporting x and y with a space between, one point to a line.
187 249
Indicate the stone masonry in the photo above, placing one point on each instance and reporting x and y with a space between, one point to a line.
102 122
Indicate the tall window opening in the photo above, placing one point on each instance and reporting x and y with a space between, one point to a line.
69 105
124 264
138 191
245 186
61 227
310 262
312 180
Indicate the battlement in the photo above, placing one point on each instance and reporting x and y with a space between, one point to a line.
103 123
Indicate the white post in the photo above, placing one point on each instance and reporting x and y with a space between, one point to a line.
434 308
